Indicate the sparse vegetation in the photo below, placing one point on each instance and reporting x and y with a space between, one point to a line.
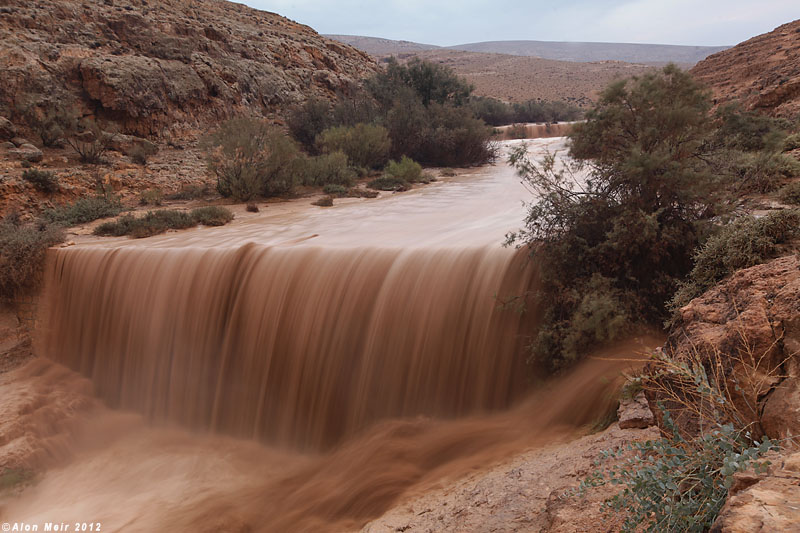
251 208
365 145
84 210
333 189
743 243
88 140
498 113
387 183
790 194
405 170
152 197
41 179
22 253
156 222
251 158
328 169
680 482
190 192
141 152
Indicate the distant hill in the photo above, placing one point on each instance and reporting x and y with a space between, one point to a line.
520 78
651 54
377 47
762 72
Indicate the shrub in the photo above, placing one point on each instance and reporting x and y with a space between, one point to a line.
613 250
309 120
333 189
792 142
141 152
745 242
89 141
82 211
152 197
386 183
764 171
328 169
325 201
790 194
212 215
517 131
22 254
41 179
190 192
156 222
250 158
680 482
365 145
50 120
251 208
406 170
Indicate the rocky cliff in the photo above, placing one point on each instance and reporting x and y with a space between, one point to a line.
763 72
149 65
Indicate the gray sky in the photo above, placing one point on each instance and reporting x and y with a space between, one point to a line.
450 22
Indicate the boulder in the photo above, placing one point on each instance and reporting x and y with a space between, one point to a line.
635 413
763 503
746 333
28 152
19 141
7 129
781 415
127 144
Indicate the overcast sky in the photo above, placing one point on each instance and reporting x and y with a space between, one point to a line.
450 22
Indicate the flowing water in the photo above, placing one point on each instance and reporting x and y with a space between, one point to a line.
298 370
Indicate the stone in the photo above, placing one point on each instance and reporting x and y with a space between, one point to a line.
19 141
754 315
763 503
28 152
781 415
7 129
635 413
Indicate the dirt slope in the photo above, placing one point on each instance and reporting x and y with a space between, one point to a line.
763 72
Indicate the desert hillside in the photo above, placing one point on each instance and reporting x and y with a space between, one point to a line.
763 72
520 78
152 65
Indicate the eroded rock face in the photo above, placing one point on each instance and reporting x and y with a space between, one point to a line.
151 65
763 72
746 331
764 502
7 129
635 413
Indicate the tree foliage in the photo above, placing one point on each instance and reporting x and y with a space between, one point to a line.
614 229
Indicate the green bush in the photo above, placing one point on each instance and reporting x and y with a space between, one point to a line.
365 145
406 170
792 142
333 189
764 172
328 169
613 251
212 215
82 211
679 483
790 194
156 222
22 254
41 179
151 197
387 183
250 158
743 243
497 113
190 192
309 120
141 152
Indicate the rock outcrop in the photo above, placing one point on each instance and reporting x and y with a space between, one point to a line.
763 502
746 332
151 65
763 72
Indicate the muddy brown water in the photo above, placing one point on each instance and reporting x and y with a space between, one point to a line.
295 372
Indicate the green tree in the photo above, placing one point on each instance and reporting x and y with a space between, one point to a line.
614 231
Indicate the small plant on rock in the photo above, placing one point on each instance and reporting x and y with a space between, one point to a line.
41 179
